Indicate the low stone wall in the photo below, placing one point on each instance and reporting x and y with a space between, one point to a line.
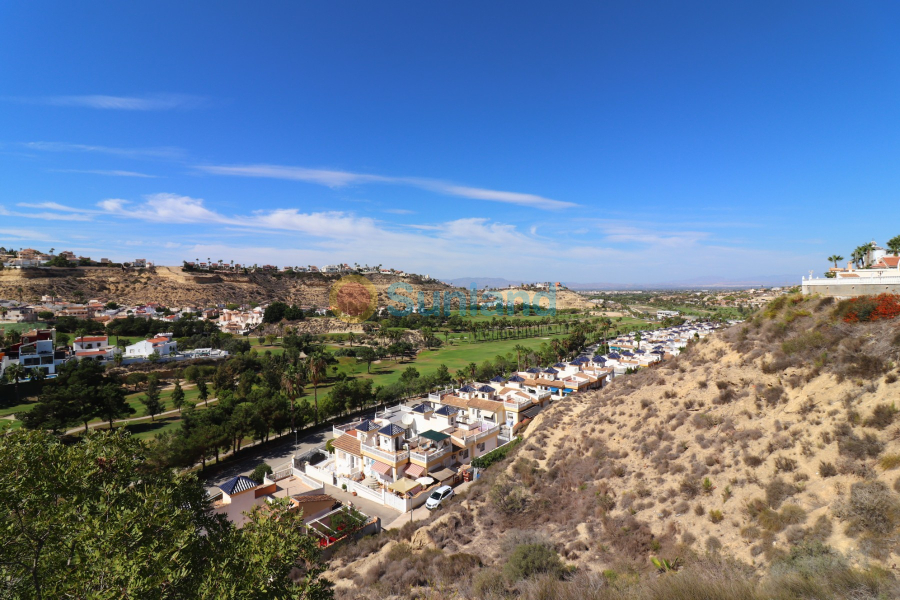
850 288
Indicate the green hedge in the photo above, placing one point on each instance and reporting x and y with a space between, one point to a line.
496 455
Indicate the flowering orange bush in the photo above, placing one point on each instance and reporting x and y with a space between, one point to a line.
870 308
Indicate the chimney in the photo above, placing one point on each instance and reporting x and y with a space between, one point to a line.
849 265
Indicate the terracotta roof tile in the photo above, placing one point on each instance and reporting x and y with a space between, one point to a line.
348 443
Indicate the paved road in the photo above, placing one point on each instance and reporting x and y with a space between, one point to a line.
278 457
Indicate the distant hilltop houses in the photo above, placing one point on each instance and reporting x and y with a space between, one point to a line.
29 258
233 267
870 270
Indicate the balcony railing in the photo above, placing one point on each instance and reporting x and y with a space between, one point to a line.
515 404
430 456
392 457
487 432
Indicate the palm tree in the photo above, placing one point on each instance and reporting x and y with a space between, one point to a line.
292 381
317 368
835 258
14 373
520 350
894 245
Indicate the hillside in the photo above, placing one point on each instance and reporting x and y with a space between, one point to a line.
565 299
765 458
170 286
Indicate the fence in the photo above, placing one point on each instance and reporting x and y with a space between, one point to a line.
361 490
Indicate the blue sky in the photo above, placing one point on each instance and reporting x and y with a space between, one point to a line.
633 142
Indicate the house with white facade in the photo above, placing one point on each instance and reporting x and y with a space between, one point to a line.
162 344
95 348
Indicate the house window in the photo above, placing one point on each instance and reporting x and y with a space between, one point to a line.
480 447
464 454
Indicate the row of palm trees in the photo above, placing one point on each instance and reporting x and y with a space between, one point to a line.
860 254
314 370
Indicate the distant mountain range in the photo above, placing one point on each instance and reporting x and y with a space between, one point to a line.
694 283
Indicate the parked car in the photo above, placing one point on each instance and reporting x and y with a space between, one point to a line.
438 496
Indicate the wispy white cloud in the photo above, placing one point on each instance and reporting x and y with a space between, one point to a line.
104 102
333 178
325 177
44 215
24 234
399 211
113 173
165 152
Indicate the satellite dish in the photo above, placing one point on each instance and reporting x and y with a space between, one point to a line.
408 419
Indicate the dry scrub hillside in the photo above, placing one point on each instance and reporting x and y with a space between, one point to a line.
170 286
765 456
565 299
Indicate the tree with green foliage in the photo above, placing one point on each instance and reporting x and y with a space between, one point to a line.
202 391
261 470
367 355
111 403
178 396
835 259
14 372
893 245
93 520
150 399
316 367
81 391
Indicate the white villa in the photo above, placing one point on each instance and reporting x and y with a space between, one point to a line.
162 344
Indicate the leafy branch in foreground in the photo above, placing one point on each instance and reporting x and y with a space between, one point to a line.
91 520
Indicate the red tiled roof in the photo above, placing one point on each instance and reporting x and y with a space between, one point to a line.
455 401
348 443
99 338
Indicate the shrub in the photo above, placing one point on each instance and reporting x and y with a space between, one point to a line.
690 487
752 461
496 455
882 416
785 464
869 308
773 395
259 472
850 444
508 498
890 461
871 508
488 583
528 560
778 490
827 469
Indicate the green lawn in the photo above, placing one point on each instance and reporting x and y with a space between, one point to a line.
23 327
134 400
454 356
17 408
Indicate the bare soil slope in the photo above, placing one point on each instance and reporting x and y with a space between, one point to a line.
771 436
170 286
